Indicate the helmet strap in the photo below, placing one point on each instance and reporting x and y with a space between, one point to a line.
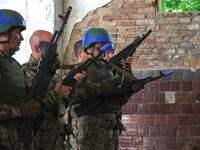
8 41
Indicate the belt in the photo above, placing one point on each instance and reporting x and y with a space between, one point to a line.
108 124
107 116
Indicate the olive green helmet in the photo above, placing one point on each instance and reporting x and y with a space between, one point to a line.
10 18
94 35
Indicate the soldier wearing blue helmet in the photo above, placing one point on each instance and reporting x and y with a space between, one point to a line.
98 126
13 97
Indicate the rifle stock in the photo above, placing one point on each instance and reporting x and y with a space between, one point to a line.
129 50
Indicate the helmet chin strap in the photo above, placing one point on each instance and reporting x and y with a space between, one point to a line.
8 41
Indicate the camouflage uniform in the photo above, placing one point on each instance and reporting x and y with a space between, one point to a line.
12 95
98 128
47 137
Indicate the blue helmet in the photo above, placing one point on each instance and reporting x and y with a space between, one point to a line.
95 35
10 18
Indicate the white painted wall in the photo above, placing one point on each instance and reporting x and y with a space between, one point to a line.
40 14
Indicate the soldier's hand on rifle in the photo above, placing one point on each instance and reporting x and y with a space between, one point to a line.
127 63
30 108
79 77
65 90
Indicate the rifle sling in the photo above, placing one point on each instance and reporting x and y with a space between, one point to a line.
69 67
129 75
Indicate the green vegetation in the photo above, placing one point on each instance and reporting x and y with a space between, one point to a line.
180 5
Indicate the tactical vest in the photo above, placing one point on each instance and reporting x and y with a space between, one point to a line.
109 104
12 83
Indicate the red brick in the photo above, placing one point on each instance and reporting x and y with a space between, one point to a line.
131 29
160 142
132 130
183 131
191 97
160 46
138 120
127 119
194 119
146 10
153 108
149 142
175 85
166 28
164 108
184 14
142 108
187 109
148 97
160 97
136 98
195 130
112 30
166 131
172 120
136 16
171 143
163 85
170 15
174 131
176 39
187 85
136 5
181 97
154 131
126 141
175 108
196 85
148 119
137 141
128 23
160 120
196 108
161 57
152 86
93 23
183 120
150 41
143 130
129 108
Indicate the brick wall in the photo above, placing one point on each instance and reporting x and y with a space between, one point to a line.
166 112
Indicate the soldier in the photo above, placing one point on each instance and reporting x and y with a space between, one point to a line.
79 51
48 134
13 97
95 103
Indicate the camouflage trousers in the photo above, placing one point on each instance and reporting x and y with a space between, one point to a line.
9 139
91 133
48 136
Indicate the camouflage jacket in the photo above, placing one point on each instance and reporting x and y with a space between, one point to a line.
30 69
90 92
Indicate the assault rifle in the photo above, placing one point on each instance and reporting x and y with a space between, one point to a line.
121 89
45 71
129 50
69 79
